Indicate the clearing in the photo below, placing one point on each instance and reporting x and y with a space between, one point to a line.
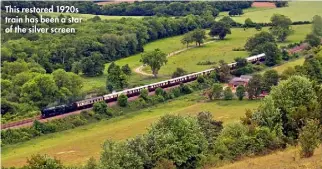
75 146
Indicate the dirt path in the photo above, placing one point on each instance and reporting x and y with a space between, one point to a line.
139 69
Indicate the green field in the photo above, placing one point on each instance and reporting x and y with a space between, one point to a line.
88 16
188 60
297 11
293 63
77 145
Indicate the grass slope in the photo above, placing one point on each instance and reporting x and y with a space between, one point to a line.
297 11
77 145
188 60
280 160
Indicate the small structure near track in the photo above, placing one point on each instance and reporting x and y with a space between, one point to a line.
237 81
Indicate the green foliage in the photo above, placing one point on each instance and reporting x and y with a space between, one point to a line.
235 12
258 39
217 90
198 35
155 59
258 27
144 93
116 78
179 139
126 69
93 65
313 40
77 67
270 79
211 128
165 164
310 138
159 91
179 72
201 79
185 89
249 23
280 4
317 25
240 92
220 29
228 20
297 100
223 72
272 53
101 108
187 39
122 100
281 27
42 162
254 86
117 155
228 94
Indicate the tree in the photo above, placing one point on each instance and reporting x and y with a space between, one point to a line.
258 27
126 69
297 100
93 65
254 86
272 53
313 40
179 72
111 67
187 38
118 155
220 29
270 79
217 90
43 161
211 128
144 94
116 78
198 36
249 23
179 139
77 67
155 60
317 25
310 138
280 4
228 20
228 94
101 108
122 100
235 12
223 71
281 27
258 39
240 92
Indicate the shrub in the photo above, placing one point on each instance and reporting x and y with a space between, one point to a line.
101 108
201 79
179 72
159 91
310 137
228 94
206 63
240 92
144 93
185 89
122 100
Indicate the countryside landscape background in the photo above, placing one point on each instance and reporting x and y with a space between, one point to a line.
105 55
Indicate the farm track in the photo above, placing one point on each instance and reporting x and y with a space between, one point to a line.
139 69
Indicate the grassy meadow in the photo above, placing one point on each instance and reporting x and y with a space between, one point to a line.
77 145
218 50
296 11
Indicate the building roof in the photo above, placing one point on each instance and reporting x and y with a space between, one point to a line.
246 77
238 79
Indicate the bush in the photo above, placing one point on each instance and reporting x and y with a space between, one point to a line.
238 49
201 79
310 138
185 89
206 63
228 94
122 100
159 91
101 108
179 72
144 93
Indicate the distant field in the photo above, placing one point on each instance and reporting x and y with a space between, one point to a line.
77 145
297 11
88 16
279 160
188 60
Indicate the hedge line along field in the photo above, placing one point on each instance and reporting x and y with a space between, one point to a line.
188 59
297 11
77 145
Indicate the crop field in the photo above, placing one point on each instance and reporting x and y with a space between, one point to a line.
297 11
89 16
77 145
188 59
280 160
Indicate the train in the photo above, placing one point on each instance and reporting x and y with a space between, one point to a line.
87 103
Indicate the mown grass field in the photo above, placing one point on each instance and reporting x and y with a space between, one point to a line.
188 59
289 159
88 16
77 145
297 11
